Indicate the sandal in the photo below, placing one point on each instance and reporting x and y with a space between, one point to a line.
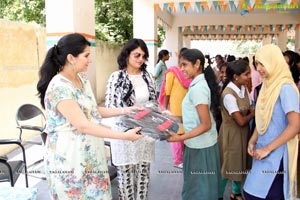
236 196
180 166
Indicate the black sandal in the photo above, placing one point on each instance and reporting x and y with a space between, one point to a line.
236 196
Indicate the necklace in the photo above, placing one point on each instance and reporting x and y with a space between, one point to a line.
76 81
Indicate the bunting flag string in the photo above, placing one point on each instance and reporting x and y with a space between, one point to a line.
239 28
206 31
229 36
223 5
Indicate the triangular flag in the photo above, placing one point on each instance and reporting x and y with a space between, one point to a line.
186 6
180 29
177 7
232 6
267 27
280 27
161 6
198 5
242 4
204 5
209 4
225 6
171 6
166 6
195 28
221 3
236 3
216 5
156 7
252 2
181 5
228 27
286 27
291 27
193 7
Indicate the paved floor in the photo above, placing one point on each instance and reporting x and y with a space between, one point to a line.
165 180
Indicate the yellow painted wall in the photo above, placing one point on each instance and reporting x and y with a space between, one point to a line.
106 64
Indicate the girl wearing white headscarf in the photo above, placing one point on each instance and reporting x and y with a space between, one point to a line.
274 143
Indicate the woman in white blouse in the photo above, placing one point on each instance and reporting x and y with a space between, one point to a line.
132 85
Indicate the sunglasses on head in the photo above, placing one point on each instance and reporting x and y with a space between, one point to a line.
138 55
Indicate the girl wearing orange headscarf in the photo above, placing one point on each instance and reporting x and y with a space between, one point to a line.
274 143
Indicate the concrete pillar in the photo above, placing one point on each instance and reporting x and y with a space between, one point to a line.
145 28
266 40
297 40
70 16
171 45
187 42
282 40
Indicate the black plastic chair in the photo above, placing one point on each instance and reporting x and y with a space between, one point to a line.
10 170
31 118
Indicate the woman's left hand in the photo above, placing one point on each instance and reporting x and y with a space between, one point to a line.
261 153
174 137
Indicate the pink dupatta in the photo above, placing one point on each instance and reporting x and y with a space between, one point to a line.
180 77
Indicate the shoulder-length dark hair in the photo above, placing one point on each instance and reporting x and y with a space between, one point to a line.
128 48
235 67
193 55
161 54
56 58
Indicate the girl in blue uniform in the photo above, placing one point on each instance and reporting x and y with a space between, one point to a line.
274 143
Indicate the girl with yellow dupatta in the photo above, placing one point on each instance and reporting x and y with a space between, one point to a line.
274 143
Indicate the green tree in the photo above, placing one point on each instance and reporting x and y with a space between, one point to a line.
23 11
114 20
246 47
161 35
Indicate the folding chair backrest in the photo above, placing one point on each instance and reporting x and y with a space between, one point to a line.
30 117
28 111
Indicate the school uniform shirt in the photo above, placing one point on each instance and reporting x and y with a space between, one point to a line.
198 93
263 172
158 73
233 139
